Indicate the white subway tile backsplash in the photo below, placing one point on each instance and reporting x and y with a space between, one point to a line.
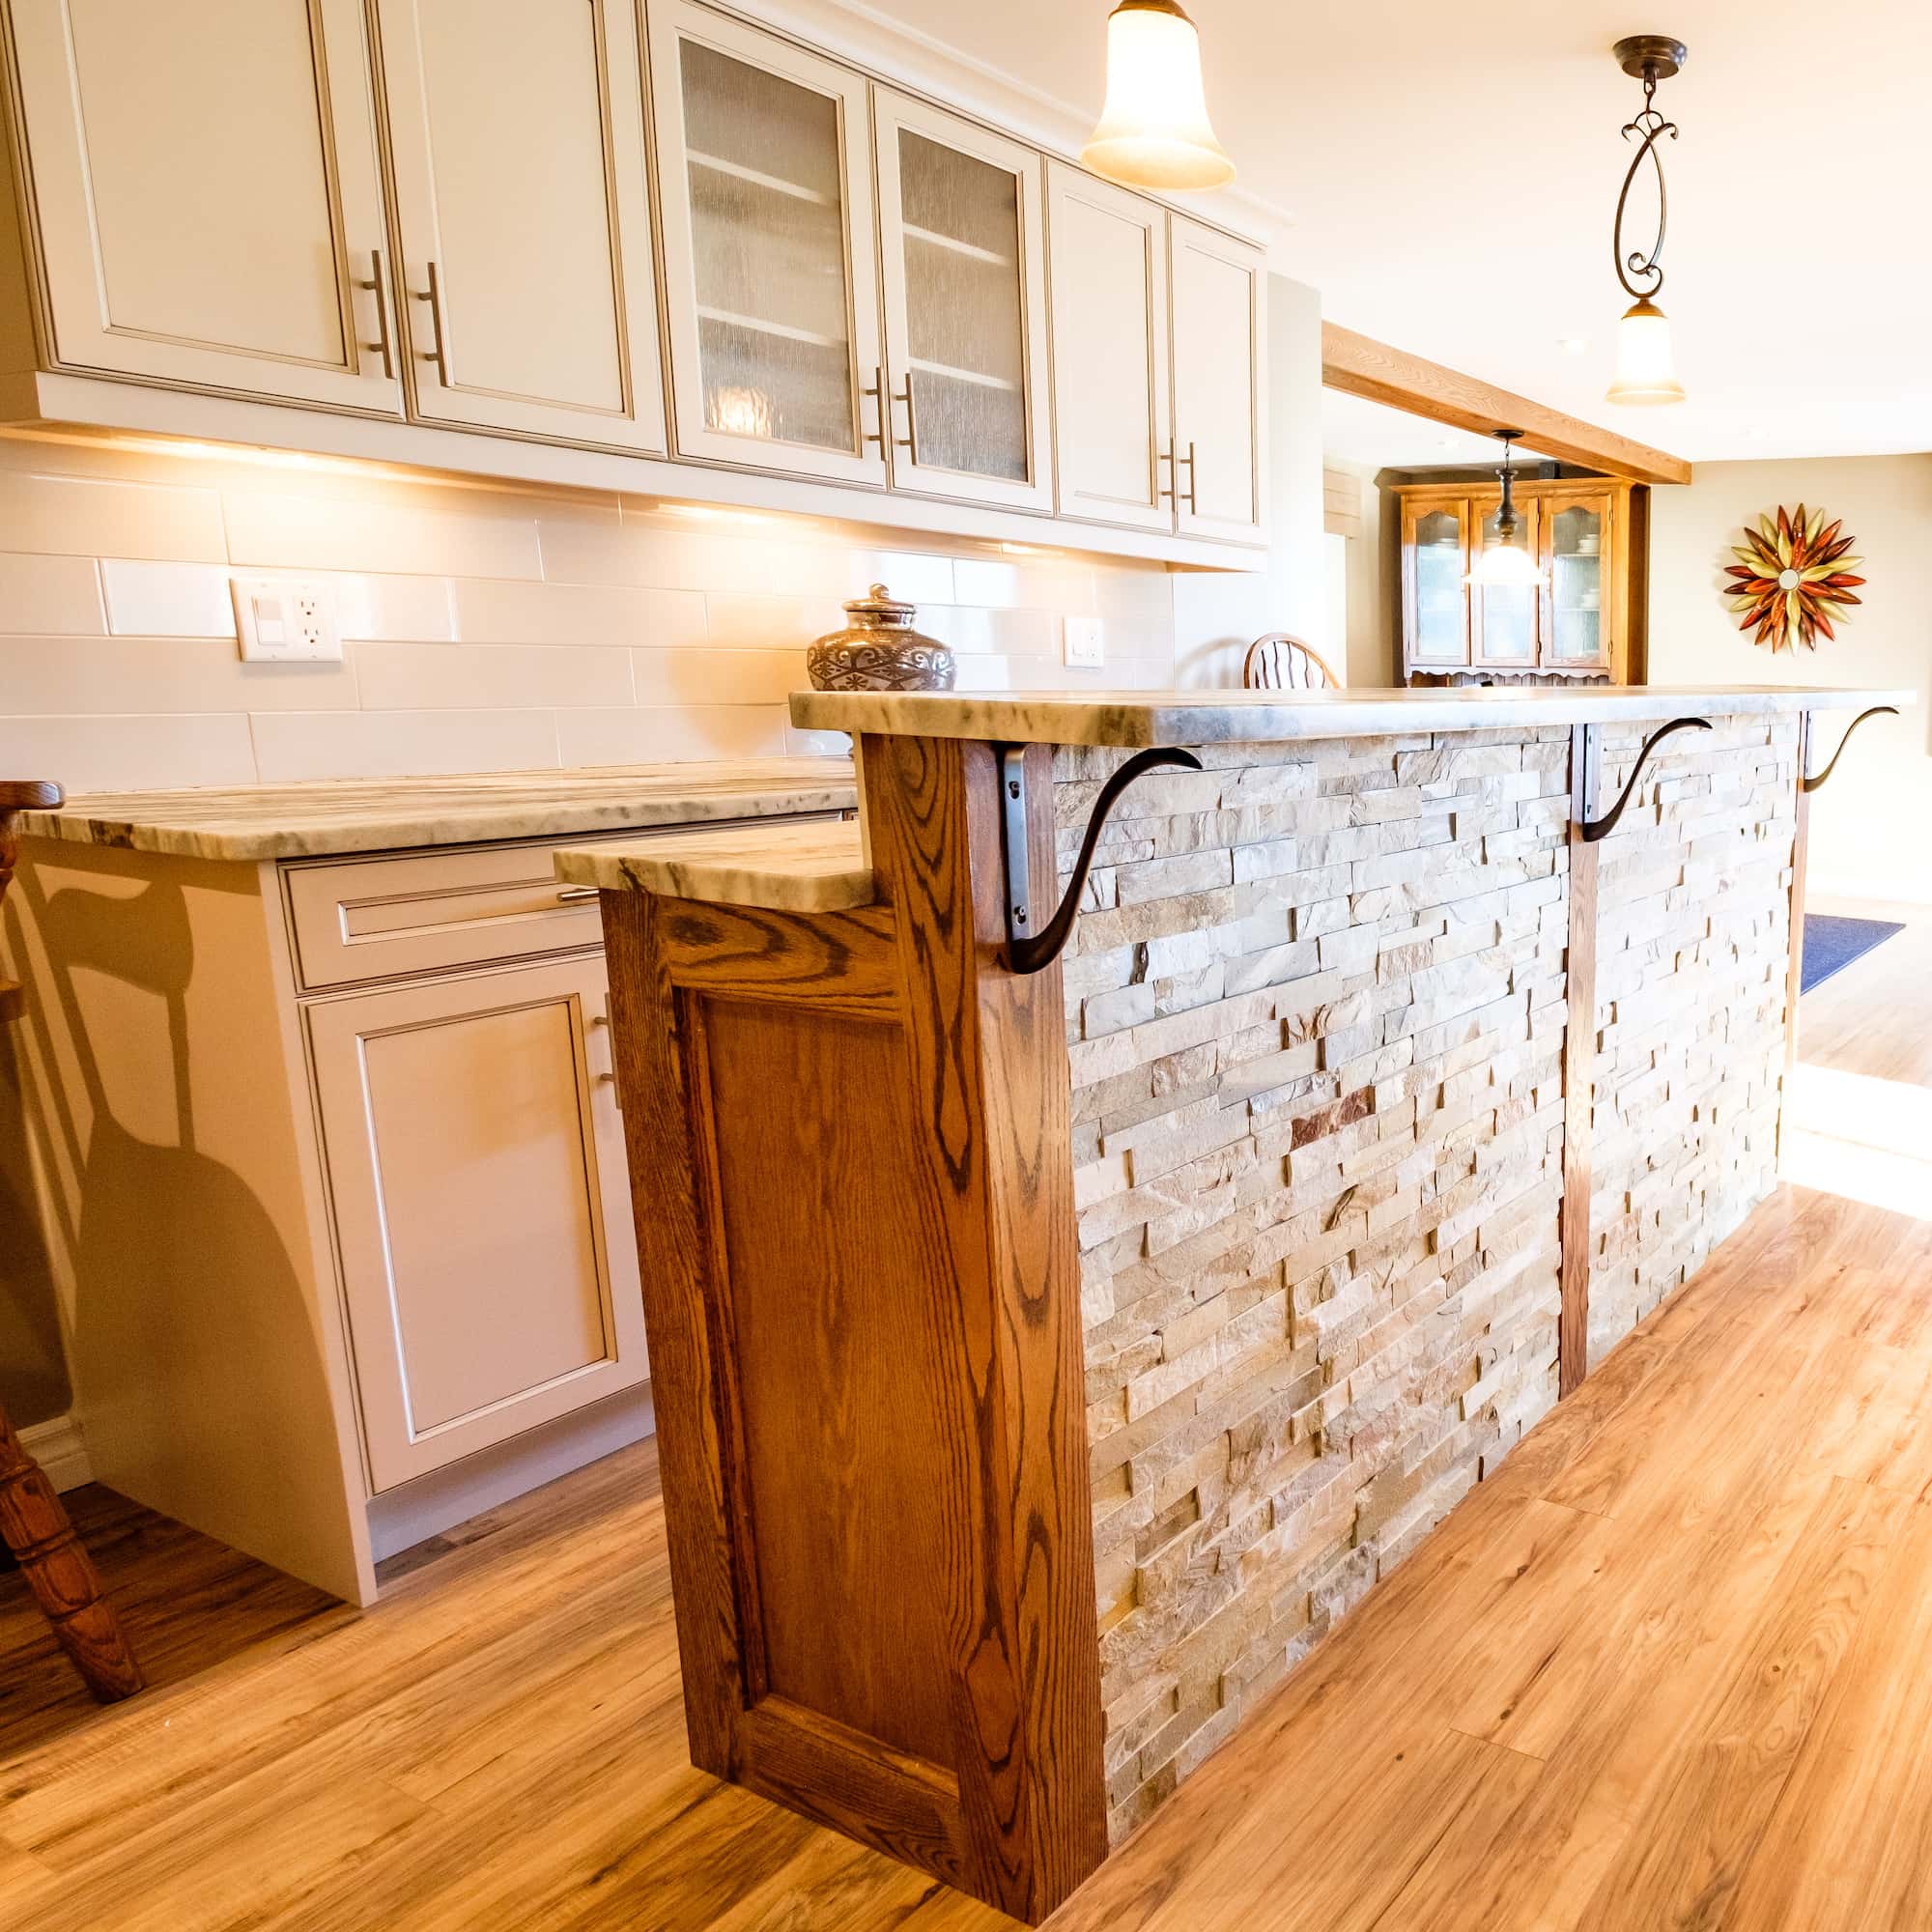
462 677
50 596
656 732
491 612
147 752
167 600
488 629
399 744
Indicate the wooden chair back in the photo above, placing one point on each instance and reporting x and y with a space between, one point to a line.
1279 662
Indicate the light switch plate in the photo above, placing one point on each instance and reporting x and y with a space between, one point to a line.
1085 645
287 620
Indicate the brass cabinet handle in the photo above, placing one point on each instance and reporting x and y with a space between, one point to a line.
909 442
1164 492
877 393
433 295
1193 502
381 345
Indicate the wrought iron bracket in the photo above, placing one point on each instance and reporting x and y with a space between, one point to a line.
1593 829
1810 783
1029 950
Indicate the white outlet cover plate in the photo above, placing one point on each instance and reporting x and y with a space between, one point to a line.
1085 644
287 620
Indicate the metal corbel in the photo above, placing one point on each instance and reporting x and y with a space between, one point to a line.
1593 829
1029 950
1878 710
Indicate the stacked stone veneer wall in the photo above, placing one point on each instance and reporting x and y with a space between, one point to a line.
1694 925
1316 1009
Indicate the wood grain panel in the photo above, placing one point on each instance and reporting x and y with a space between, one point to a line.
1579 1060
826 1277
842 962
1361 366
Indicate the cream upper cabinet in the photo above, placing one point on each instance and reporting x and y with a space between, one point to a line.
482 1215
1221 400
771 268
518 144
207 194
962 232
1107 256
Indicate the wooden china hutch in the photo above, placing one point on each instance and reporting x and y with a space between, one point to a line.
1584 624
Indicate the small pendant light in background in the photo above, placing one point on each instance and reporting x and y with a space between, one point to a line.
1505 561
1154 131
1646 370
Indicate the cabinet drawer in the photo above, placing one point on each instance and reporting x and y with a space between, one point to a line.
380 917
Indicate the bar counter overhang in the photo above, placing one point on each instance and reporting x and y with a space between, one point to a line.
1045 1361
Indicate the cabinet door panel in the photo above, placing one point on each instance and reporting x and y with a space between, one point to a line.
1436 601
1220 385
963 262
771 270
207 190
1107 269
1503 619
536 220
1579 540
476 1168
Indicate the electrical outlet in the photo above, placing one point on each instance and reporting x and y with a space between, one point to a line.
1084 643
287 621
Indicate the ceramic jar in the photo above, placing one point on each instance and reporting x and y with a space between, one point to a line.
879 650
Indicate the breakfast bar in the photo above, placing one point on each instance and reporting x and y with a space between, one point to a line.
1058 1324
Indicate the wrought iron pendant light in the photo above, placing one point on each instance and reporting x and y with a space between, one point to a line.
1153 130
1646 372
1505 561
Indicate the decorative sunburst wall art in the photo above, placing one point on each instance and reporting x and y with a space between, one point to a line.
1795 578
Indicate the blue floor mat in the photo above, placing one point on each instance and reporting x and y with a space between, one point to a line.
1830 944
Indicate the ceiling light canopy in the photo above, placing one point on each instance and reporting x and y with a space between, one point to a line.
1646 369
1154 131
1505 563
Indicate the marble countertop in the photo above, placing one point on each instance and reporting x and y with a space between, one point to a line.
288 821
815 868
1137 719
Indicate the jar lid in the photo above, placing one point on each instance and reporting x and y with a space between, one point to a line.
879 602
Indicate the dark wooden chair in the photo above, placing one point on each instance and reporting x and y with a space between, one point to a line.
34 1523
1278 662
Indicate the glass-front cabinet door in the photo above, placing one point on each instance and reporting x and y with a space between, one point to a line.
1435 552
1576 543
764 166
963 258
1502 617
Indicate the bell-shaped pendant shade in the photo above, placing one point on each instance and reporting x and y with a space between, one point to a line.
1504 564
1154 131
1646 370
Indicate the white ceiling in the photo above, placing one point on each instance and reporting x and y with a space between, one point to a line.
1451 172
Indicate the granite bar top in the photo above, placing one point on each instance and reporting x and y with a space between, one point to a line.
814 868
1137 719
288 821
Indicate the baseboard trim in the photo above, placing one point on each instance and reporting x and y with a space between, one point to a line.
59 1448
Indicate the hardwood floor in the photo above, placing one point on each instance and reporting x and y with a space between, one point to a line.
1672 1667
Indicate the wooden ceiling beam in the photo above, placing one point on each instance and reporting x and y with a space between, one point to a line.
1361 366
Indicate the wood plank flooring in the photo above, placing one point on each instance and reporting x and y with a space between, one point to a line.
1672 1667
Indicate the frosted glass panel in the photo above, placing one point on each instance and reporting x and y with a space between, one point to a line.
962 219
1439 628
1508 612
1576 585
768 233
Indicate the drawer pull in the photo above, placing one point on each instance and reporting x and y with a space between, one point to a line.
574 895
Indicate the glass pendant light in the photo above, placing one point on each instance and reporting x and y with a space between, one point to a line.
1505 563
1154 131
1646 371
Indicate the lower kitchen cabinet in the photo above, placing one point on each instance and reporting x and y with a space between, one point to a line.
482 1215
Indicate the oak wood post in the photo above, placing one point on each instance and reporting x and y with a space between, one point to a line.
1579 1061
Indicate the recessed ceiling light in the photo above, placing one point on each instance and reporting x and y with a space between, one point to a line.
1573 344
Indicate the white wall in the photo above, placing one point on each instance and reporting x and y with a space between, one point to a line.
1871 827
